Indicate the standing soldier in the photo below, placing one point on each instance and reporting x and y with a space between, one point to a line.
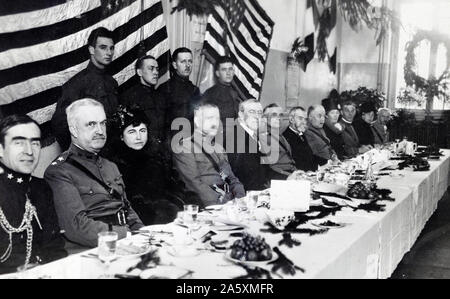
93 82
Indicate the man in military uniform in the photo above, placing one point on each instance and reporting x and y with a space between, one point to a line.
93 82
88 189
29 231
180 93
203 164
222 94
151 101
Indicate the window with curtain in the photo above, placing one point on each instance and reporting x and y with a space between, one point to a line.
425 15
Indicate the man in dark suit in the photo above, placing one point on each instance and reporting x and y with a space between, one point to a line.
352 145
203 164
280 161
180 93
301 151
317 139
222 93
93 82
146 97
244 147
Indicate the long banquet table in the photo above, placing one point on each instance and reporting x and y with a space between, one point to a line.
371 246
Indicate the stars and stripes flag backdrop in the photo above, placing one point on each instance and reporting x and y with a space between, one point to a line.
43 45
242 30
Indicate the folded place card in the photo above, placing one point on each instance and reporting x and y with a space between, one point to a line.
290 195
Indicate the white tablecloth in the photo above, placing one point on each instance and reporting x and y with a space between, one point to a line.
371 246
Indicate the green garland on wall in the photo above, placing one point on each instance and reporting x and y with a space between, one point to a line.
433 86
196 7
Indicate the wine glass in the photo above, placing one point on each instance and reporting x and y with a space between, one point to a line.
107 244
190 217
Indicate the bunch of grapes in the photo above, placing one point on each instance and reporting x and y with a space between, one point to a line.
359 190
251 249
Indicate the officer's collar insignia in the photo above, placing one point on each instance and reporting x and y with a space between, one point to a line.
10 176
19 181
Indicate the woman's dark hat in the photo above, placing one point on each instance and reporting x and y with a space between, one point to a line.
367 107
126 116
330 104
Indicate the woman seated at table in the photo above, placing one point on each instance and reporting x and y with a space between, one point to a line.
363 125
332 128
145 165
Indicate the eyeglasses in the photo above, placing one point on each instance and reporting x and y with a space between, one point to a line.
255 112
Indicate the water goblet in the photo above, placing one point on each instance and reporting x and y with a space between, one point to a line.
107 244
190 217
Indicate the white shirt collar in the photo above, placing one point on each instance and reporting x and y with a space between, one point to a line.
246 128
295 131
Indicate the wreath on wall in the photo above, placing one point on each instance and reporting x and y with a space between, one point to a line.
432 87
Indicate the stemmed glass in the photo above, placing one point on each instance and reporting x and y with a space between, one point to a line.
107 244
190 217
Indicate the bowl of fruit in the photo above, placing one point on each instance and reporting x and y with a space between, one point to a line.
364 192
250 251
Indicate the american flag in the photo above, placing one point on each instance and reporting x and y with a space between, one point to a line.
242 30
43 45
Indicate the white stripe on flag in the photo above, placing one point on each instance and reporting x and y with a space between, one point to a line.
35 85
216 26
261 37
68 43
258 17
45 17
43 115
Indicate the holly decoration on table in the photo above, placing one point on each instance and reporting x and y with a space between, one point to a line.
284 264
289 241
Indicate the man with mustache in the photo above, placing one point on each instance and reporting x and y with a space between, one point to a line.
295 135
88 190
180 93
145 95
29 230
203 164
222 94
93 82
316 136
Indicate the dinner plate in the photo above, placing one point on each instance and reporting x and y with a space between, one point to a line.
168 272
143 250
249 263
183 251
323 224
214 208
